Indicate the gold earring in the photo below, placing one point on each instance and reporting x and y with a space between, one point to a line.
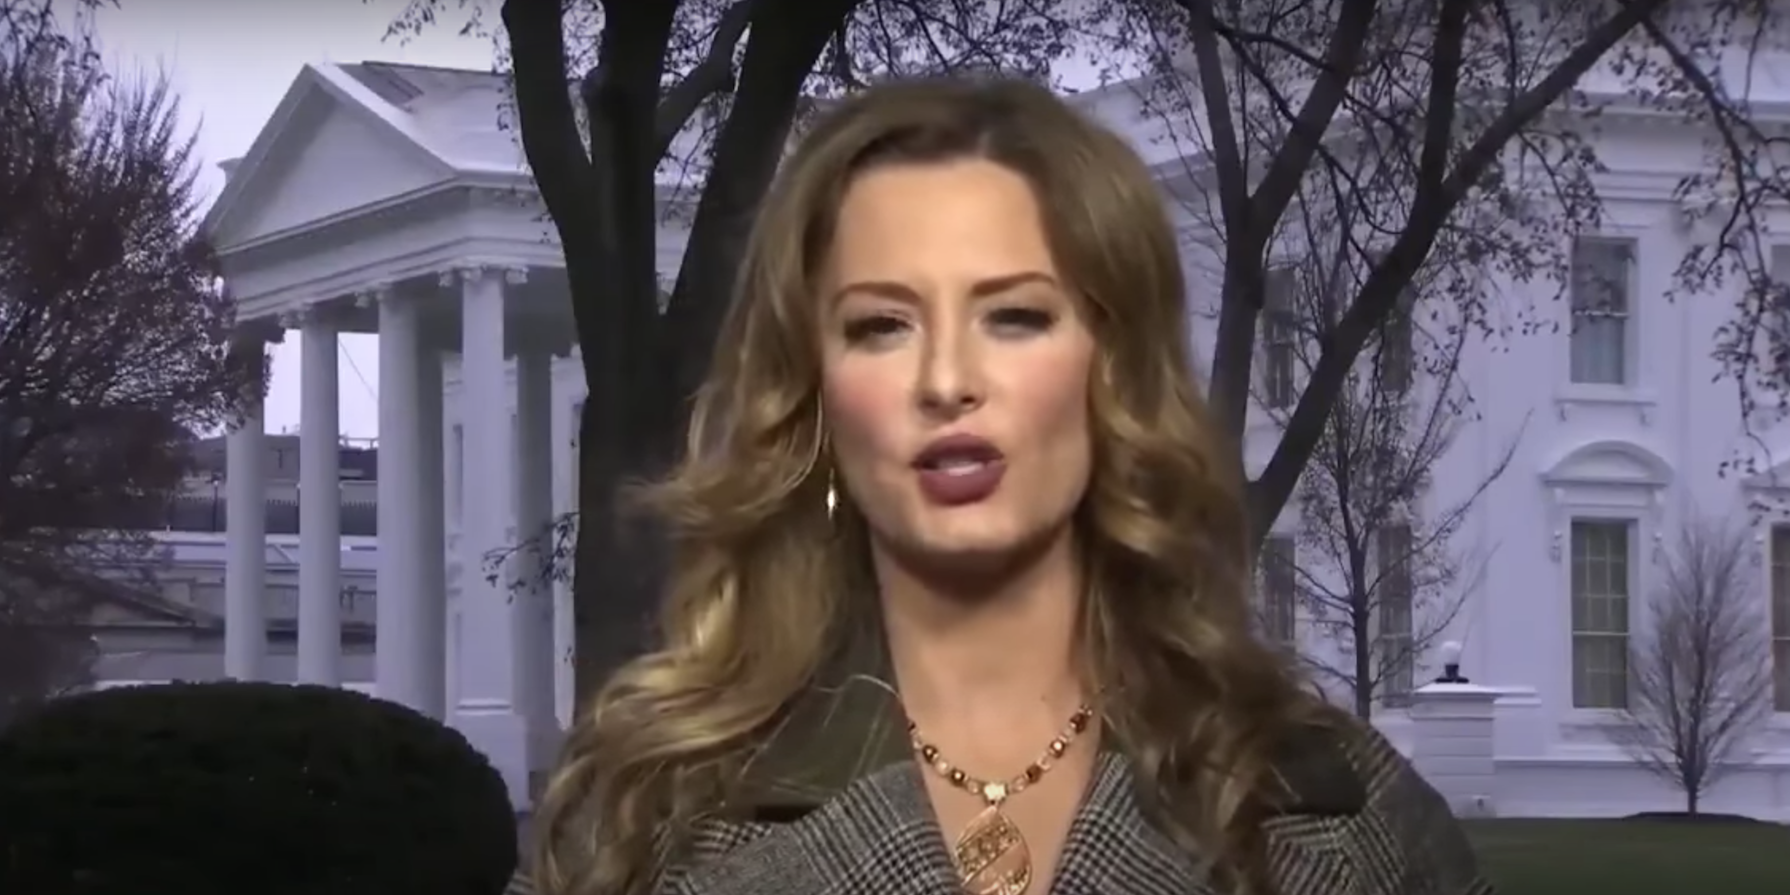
832 496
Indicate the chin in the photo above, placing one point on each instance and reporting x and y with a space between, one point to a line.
971 546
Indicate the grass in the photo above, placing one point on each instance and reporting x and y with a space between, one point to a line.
1633 857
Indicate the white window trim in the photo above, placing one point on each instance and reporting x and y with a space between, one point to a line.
1640 553
1635 394
1266 347
1296 615
1578 491
1764 556
1769 487
1767 402
1416 659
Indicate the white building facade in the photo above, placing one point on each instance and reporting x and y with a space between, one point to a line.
380 198
1620 432
383 199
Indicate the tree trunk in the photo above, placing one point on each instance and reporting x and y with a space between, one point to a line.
619 557
1364 665
642 364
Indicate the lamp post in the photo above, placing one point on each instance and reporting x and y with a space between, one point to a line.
1451 664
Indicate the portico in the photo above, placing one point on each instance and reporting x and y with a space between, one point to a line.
379 199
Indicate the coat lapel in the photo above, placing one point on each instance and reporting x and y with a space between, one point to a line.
1112 847
832 802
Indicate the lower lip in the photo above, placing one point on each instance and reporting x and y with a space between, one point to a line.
958 488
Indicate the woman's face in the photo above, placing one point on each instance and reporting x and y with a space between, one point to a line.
955 364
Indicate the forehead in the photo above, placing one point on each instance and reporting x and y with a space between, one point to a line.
960 218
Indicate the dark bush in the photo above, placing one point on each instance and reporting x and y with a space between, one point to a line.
240 788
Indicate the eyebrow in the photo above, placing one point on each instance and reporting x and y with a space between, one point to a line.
981 289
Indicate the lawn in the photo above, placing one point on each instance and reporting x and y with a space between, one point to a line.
1633 857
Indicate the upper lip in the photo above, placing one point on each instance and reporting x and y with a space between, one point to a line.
958 447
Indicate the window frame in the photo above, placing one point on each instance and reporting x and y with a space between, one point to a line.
1404 670
1279 605
1630 581
1777 595
1280 336
1626 342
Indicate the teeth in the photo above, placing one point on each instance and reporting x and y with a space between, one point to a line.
960 467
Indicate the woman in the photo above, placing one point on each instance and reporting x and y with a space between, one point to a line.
961 601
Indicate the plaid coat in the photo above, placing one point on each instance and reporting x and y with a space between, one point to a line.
835 804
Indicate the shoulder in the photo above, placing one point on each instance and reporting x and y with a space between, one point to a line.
1352 798
709 840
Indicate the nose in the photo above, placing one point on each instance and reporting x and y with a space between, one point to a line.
951 383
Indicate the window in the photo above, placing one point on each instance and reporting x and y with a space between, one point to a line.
1602 300
1780 617
1393 602
1396 357
1600 589
1280 589
1777 302
1279 337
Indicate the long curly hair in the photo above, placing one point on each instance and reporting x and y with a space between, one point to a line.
762 584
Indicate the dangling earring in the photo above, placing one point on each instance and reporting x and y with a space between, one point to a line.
832 497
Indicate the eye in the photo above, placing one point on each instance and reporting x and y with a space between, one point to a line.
1021 321
871 327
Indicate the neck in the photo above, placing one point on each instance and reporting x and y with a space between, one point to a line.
1004 641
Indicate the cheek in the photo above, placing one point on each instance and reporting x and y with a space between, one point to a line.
1056 399
864 411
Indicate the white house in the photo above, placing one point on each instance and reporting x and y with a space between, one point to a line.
380 198
1619 431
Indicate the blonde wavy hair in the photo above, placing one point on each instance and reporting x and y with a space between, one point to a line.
763 587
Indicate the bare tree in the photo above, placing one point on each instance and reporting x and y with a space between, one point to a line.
113 336
1480 123
1700 663
614 96
1486 158
1375 566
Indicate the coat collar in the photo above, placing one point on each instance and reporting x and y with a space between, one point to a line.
848 724
834 802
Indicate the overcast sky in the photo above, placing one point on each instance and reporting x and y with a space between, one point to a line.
231 62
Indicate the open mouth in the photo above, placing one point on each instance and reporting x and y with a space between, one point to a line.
957 465
958 455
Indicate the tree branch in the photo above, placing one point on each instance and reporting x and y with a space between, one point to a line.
1225 148
1270 491
711 76
778 60
548 126
1305 135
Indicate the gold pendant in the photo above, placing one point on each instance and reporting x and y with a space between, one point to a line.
992 856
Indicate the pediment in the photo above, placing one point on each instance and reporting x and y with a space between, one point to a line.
326 152
1609 462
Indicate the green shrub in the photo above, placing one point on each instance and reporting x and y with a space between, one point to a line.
247 789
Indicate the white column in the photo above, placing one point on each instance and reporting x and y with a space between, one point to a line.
488 712
431 521
534 522
400 660
319 506
564 631
245 531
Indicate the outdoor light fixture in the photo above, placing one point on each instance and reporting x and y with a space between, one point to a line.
1451 664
